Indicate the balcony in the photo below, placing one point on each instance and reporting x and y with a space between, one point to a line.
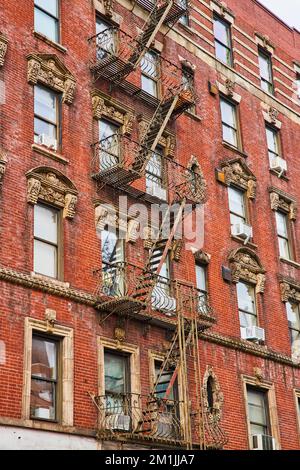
138 417
119 161
191 301
178 8
122 288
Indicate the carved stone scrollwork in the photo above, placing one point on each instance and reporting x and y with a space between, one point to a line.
230 87
3 48
49 70
106 107
273 113
106 215
109 7
3 163
246 266
283 202
119 331
202 257
176 250
132 230
50 185
213 397
289 292
237 172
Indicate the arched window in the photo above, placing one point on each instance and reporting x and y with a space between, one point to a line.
210 393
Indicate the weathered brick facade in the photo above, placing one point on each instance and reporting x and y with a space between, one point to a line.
198 133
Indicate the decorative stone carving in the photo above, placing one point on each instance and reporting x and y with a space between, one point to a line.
284 202
202 257
132 230
148 236
50 317
197 187
246 266
50 185
105 216
213 399
273 113
3 163
236 172
167 140
230 87
3 48
176 250
109 7
119 331
49 70
107 107
290 292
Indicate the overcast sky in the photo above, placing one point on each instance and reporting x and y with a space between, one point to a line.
287 10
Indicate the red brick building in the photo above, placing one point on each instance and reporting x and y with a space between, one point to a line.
130 337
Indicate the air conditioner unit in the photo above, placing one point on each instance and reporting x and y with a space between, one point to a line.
157 191
48 141
263 442
242 230
253 333
118 422
279 164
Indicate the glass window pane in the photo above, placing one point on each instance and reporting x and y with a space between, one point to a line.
258 413
45 259
149 65
45 104
106 129
272 140
281 224
101 25
265 67
149 85
42 399
45 223
43 127
201 277
115 373
236 201
222 32
284 249
247 319
246 298
51 6
163 383
45 24
293 315
223 53
228 113
229 135
44 358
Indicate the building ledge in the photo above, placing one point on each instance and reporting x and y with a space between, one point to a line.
241 241
276 173
54 44
234 149
48 153
290 262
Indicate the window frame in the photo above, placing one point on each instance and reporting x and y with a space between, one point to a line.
57 382
255 303
153 177
237 130
290 327
56 19
185 15
126 357
289 237
58 123
59 246
267 55
245 205
276 133
216 17
263 392
157 80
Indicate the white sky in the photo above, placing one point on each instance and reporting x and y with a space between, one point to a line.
287 10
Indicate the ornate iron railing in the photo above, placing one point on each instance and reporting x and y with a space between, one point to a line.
191 300
140 416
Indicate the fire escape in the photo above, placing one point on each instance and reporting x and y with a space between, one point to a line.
130 290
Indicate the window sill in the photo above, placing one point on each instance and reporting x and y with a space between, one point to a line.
290 262
193 116
234 149
54 44
185 27
54 281
50 154
241 240
276 173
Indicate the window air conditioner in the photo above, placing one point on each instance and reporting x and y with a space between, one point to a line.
242 230
44 139
263 442
118 422
157 191
253 333
279 164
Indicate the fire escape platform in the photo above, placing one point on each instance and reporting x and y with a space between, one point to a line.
116 175
121 305
174 14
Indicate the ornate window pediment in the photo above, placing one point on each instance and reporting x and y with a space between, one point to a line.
3 162
3 48
282 201
105 106
50 185
105 214
213 396
290 290
49 70
236 172
246 266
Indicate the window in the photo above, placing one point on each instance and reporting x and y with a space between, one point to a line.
168 415
265 67
44 378
155 175
298 85
201 283
109 144
293 316
236 206
46 117
188 82
283 235
46 18
222 41
246 304
161 295
46 246
116 374
150 73
184 19
106 38
258 410
273 144
229 122
113 268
